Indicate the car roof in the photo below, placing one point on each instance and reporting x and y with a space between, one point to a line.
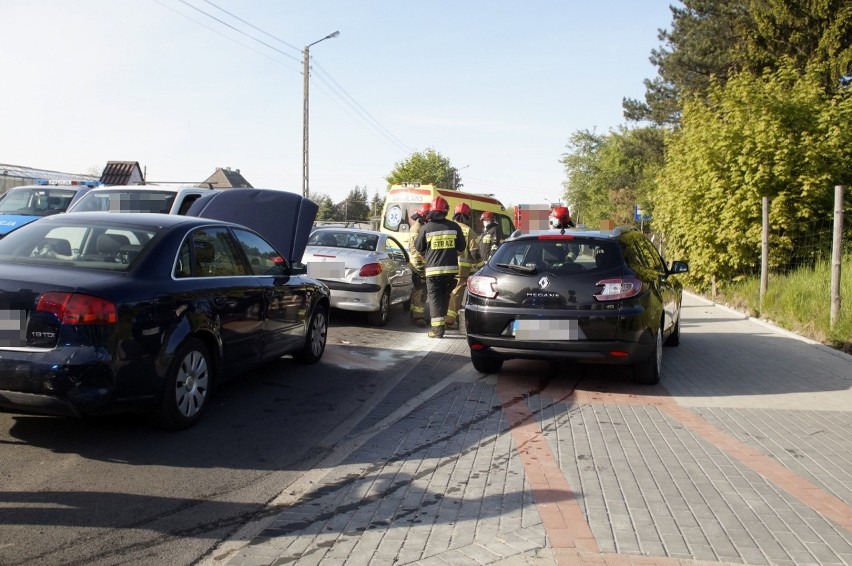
576 232
150 188
133 218
46 187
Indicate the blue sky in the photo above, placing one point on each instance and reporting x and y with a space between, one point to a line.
497 87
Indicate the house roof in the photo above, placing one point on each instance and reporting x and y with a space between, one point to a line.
32 173
121 172
227 178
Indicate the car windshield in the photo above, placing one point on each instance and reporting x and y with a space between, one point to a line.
123 200
113 246
36 201
340 239
558 255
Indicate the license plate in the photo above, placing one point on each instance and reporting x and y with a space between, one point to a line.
13 326
534 329
327 269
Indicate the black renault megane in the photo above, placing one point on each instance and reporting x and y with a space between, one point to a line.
587 296
104 312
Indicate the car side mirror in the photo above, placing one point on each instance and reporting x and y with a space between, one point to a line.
679 267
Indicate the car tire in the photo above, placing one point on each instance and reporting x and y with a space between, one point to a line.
674 337
648 372
485 364
381 316
186 389
315 338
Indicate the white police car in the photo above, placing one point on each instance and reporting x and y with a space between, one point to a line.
21 205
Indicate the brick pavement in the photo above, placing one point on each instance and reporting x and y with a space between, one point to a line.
742 455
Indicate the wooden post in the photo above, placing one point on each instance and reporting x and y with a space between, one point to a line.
836 255
764 253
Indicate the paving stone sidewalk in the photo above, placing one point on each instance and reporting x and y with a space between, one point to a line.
742 455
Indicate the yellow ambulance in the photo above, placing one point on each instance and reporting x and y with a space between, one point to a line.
403 200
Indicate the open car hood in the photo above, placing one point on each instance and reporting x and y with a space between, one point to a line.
283 218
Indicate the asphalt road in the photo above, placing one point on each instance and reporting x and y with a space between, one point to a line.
393 449
116 491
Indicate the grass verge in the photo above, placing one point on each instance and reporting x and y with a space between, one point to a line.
799 301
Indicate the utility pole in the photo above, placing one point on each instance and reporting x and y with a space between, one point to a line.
836 255
306 56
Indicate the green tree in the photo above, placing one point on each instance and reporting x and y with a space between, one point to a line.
327 209
780 135
356 206
427 168
377 204
710 40
608 174
699 47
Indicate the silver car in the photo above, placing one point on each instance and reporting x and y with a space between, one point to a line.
367 271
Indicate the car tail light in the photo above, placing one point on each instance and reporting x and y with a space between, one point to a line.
555 237
482 286
617 289
370 270
76 308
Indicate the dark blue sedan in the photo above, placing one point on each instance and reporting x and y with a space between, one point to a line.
103 313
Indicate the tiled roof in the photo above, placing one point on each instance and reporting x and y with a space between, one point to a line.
121 172
227 178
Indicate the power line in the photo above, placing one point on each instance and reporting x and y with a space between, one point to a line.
253 26
209 15
517 187
346 96
336 90
193 20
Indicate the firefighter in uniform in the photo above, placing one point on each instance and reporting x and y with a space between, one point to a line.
418 266
560 219
467 259
440 241
491 237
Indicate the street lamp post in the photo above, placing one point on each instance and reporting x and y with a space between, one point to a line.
307 72
456 176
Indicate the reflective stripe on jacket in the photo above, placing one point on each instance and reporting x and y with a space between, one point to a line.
440 241
466 256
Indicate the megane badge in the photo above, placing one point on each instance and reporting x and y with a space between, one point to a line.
543 282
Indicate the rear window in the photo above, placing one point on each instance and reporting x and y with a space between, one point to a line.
559 255
126 201
352 240
113 247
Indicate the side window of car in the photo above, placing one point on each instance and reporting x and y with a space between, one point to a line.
394 250
505 226
652 257
263 258
633 256
187 202
183 265
215 254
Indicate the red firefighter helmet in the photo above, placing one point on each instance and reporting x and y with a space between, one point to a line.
440 204
486 217
462 208
422 212
560 217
